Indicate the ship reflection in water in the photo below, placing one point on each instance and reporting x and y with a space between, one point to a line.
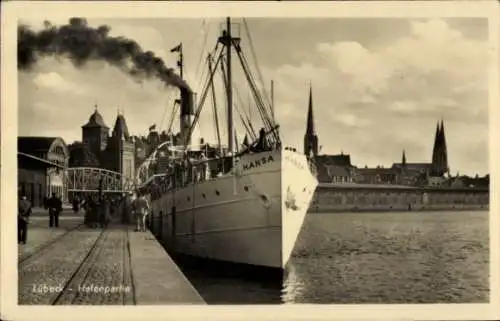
408 257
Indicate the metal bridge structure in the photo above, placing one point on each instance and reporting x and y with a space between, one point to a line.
145 173
91 179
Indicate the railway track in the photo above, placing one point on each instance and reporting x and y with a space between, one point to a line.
71 289
40 250
128 275
107 266
96 270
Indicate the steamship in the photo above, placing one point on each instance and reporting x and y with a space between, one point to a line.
230 203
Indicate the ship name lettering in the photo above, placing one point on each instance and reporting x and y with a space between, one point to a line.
258 162
295 162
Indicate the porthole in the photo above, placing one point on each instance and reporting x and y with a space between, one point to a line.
217 192
188 198
245 188
203 195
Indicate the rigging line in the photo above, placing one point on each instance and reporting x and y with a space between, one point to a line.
203 97
252 80
174 112
214 105
206 30
267 121
255 94
225 82
235 88
238 109
250 129
252 49
187 45
169 96
203 70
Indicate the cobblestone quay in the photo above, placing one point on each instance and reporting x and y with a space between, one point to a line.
77 265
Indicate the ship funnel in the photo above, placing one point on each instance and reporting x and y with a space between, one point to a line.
188 99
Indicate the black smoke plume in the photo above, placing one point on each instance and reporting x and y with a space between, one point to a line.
81 43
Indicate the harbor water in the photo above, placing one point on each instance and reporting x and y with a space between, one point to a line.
339 258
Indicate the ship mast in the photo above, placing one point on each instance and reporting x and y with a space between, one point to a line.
230 125
272 103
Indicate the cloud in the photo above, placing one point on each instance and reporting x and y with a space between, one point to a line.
351 120
55 82
405 107
434 72
375 91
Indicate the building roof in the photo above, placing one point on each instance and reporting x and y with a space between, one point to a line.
95 121
37 146
334 170
121 128
30 161
338 160
375 171
323 175
413 166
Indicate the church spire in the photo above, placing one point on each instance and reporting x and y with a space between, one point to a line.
439 153
310 137
443 149
436 144
310 115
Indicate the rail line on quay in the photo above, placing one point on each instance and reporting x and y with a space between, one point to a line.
104 276
128 274
69 294
44 247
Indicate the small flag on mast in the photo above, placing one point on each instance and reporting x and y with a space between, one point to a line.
152 127
177 48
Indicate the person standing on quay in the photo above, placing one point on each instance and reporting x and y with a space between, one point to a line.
76 204
24 211
55 207
141 210
127 210
103 212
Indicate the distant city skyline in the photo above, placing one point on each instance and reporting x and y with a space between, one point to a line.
379 85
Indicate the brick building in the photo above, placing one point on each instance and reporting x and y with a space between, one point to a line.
99 149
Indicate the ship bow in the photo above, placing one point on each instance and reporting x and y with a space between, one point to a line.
298 185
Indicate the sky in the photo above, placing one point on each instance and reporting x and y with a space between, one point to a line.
379 84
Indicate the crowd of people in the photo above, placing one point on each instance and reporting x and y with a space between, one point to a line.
100 210
103 209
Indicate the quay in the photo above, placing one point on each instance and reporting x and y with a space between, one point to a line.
74 264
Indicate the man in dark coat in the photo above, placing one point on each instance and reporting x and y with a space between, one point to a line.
127 209
23 213
76 204
103 213
54 205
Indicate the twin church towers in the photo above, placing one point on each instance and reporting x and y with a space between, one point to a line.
438 166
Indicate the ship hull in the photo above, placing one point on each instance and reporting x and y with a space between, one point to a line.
252 216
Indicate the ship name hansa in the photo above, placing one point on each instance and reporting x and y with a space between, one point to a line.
258 162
